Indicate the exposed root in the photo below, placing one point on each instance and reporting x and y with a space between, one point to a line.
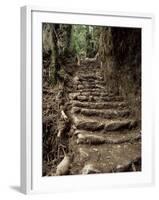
95 139
63 167
63 115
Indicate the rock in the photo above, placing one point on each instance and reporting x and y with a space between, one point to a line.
82 98
73 96
83 154
90 169
102 105
92 126
119 125
76 79
75 110
89 139
80 86
105 113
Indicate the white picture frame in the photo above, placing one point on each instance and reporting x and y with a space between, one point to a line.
31 81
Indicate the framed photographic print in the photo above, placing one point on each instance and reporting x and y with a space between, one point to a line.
86 100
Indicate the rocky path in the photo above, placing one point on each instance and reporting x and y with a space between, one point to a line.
105 137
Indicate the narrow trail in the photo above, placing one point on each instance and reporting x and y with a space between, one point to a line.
105 135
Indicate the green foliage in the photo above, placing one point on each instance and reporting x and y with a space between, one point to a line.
84 41
92 40
78 42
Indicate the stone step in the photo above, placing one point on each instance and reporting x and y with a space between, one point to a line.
87 65
97 86
91 63
85 83
106 158
89 73
102 105
90 78
105 113
91 90
85 137
98 99
78 79
89 81
74 95
93 124
101 94
121 134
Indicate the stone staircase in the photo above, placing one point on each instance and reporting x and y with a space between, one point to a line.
105 137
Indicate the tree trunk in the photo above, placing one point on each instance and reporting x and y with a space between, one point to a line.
54 67
106 55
